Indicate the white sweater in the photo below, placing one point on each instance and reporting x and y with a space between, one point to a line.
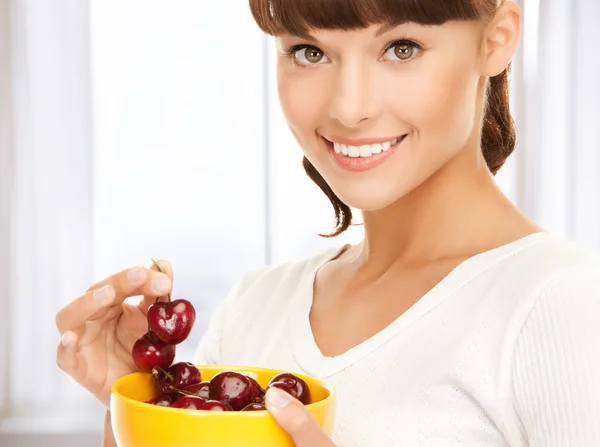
505 351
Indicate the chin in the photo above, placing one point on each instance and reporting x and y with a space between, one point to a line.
364 198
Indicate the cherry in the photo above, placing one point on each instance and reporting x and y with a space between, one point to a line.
233 388
254 406
258 393
285 387
215 405
164 399
302 390
200 389
177 376
189 403
172 321
149 352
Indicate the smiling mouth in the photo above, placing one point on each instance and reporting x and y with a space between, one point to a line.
365 150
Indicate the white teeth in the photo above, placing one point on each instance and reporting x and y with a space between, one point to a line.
363 151
353 151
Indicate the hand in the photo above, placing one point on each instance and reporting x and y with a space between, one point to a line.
294 418
99 329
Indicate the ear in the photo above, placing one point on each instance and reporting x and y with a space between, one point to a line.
501 39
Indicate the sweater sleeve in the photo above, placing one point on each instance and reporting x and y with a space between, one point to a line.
208 351
556 364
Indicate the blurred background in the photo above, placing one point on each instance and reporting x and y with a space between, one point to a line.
134 129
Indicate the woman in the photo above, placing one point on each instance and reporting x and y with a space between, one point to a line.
457 320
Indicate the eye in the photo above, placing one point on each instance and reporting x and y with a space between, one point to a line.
402 50
307 55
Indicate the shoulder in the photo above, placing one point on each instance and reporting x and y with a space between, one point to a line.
563 285
272 281
550 272
567 299
524 272
570 288
548 257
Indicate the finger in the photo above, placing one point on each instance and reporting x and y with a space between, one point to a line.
136 281
66 354
115 290
78 311
165 267
295 419
149 299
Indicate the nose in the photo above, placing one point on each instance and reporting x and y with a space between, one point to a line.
353 96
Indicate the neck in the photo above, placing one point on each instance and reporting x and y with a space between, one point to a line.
456 213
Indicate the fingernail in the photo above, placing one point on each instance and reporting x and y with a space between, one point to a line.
135 274
161 285
65 339
102 294
278 398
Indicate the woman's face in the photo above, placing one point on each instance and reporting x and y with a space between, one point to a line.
376 113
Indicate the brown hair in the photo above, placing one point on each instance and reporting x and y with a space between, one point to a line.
297 17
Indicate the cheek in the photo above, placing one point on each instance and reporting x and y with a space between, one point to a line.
441 107
300 102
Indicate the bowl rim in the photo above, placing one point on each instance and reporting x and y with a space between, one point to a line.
237 368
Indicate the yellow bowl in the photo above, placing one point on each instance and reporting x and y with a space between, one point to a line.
137 424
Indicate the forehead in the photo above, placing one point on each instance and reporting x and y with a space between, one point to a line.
299 17
375 30
453 32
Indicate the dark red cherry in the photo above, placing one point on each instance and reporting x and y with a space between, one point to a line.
215 405
164 399
233 388
285 387
177 376
302 390
200 389
171 321
189 403
149 352
258 393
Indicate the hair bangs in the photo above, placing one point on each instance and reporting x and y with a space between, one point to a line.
299 17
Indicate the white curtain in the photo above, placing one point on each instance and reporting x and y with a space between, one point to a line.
46 193
58 160
556 101
5 195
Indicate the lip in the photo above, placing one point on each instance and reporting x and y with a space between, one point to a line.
361 164
359 141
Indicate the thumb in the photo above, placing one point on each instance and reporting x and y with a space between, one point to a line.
295 419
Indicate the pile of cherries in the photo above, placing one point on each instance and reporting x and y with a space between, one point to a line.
180 385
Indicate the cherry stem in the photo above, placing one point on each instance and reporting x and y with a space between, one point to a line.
161 271
184 392
163 371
